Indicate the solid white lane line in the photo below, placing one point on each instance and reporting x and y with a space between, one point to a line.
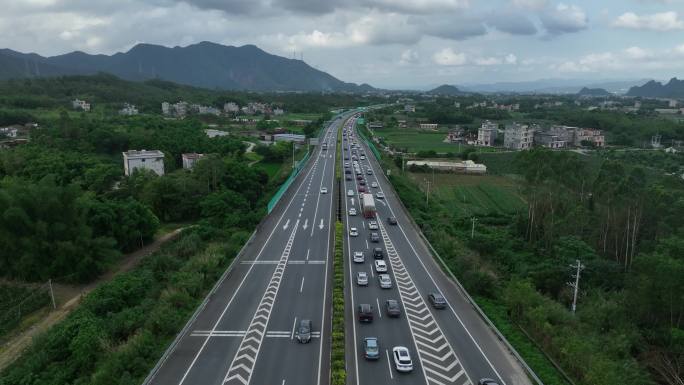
302 285
307 254
389 364
294 324
377 301
367 247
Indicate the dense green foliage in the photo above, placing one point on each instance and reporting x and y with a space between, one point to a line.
622 221
337 356
17 300
122 327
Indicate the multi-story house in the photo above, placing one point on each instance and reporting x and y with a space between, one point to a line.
486 134
519 136
143 159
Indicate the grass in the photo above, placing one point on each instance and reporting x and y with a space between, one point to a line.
338 370
415 140
474 194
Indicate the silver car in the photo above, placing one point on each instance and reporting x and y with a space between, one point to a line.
385 281
359 257
362 278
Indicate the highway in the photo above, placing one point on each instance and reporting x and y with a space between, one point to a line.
447 346
245 333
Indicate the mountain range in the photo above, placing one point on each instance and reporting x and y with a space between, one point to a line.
446 90
672 89
206 64
552 86
593 92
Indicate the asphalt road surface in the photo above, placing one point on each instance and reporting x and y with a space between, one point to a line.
448 346
245 334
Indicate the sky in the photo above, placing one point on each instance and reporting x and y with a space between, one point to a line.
386 43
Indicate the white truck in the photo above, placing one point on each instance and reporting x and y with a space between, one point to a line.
368 205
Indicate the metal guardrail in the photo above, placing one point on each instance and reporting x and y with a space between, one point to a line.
199 309
477 308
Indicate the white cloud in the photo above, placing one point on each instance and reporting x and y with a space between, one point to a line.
563 18
449 57
530 4
409 56
637 53
664 21
487 61
511 59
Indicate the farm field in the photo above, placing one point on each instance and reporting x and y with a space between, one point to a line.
418 140
474 194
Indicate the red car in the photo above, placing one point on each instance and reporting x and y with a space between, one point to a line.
362 189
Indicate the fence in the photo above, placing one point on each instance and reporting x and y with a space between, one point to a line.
16 303
298 167
370 143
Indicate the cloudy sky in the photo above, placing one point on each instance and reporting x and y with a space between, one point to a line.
387 43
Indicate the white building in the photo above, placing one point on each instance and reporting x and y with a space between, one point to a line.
208 110
467 166
428 126
214 133
518 136
289 138
231 108
80 105
10 132
150 160
486 134
128 110
278 111
190 159
409 108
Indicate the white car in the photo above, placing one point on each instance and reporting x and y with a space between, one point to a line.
380 195
352 211
385 281
353 232
402 359
373 225
374 184
362 157
350 193
380 266
362 278
359 257
324 190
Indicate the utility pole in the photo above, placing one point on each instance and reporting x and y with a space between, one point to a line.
403 162
52 294
427 193
575 285
293 158
472 229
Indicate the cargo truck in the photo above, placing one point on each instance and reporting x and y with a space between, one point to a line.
368 205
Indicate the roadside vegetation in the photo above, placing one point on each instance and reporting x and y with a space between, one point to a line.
338 362
69 214
624 223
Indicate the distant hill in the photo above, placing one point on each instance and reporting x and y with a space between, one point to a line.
673 89
553 86
446 90
205 64
593 92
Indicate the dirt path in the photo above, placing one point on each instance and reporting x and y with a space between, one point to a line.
68 297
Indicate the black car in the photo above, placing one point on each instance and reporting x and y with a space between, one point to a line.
437 300
393 308
392 220
304 331
365 312
348 177
377 253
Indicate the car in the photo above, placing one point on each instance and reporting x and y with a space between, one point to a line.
346 164
324 190
374 184
487 381
362 278
377 253
385 281
362 182
353 232
304 331
362 157
380 195
437 300
365 312
380 266
347 171
347 177
392 220
373 225
374 237
359 257
350 193
392 307
362 189
346 157
369 172
402 359
371 348
352 211
359 177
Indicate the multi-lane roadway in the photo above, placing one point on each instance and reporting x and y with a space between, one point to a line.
448 346
246 331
